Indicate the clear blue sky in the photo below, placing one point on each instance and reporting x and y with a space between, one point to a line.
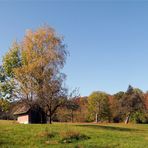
107 41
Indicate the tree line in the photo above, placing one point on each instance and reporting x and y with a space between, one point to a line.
31 73
131 105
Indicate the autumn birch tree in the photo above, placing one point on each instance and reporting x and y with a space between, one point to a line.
41 56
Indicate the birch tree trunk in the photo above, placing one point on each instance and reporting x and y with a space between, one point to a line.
127 119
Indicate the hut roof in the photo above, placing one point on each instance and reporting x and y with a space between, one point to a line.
21 109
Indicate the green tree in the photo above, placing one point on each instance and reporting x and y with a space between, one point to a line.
6 90
6 86
98 103
12 60
132 102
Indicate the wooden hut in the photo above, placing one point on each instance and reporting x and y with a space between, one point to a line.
27 115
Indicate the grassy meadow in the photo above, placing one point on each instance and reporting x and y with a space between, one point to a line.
60 135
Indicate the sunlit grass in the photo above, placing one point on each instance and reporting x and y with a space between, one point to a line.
15 135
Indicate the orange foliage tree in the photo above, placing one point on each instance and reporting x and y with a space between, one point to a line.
41 56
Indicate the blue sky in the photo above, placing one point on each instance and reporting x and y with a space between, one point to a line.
107 41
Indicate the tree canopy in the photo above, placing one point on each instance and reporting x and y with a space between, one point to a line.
99 105
35 64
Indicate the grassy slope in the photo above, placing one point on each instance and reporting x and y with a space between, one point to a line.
101 136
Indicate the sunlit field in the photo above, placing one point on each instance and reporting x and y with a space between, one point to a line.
73 135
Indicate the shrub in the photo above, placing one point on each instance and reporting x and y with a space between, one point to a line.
140 117
46 133
72 136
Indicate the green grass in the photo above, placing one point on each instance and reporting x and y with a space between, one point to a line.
13 135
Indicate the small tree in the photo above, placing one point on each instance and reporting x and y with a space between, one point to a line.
82 113
72 106
98 103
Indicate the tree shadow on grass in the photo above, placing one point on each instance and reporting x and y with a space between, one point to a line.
112 128
4 143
